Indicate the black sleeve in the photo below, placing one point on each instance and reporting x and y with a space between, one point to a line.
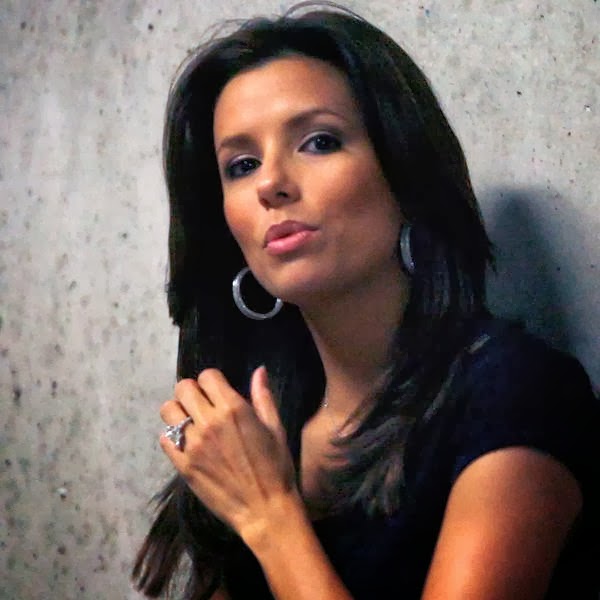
521 392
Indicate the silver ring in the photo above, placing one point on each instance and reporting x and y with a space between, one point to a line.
175 432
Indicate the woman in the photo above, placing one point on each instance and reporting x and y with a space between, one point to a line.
368 430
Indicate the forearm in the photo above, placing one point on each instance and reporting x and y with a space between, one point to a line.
293 560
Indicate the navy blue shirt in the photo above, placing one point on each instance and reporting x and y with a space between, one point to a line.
511 389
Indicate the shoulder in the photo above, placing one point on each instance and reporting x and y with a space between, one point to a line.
506 368
504 463
517 390
506 349
505 525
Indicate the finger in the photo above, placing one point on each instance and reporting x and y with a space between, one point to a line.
173 437
192 400
263 401
217 389
171 412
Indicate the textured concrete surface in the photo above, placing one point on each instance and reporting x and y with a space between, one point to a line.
87 353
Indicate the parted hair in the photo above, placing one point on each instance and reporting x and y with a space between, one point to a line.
425 167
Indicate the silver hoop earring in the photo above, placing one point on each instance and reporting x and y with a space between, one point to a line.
239 301
405 249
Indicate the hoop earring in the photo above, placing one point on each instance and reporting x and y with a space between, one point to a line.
239 301
405 249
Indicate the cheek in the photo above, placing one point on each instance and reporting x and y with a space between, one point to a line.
376 213
367 198
236 220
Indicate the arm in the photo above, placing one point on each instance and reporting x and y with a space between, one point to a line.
506 521
291 555
235 459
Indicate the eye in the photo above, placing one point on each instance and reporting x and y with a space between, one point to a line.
321 143
240 167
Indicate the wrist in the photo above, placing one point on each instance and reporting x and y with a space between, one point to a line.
286 514
290 554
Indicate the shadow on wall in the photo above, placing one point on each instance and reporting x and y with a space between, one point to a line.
531 272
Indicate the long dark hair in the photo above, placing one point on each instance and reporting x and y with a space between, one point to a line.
427 173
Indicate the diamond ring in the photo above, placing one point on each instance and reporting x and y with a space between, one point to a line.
175 432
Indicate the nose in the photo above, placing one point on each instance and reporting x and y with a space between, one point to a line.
276 186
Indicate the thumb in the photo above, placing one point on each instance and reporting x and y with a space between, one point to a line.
263 401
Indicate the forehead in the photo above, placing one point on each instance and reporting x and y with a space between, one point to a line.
279 87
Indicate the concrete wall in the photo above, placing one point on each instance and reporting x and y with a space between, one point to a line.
87 352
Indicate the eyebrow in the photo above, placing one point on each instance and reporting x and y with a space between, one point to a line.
295 122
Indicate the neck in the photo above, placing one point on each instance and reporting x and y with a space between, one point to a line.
354 335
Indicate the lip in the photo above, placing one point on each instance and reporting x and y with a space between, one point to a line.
287 236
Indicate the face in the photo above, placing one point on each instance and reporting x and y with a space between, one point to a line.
304 195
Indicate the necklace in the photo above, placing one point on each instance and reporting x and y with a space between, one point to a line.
335 430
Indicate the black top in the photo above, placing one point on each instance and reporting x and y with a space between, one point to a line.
511 389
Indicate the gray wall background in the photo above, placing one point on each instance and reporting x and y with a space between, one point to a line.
87 352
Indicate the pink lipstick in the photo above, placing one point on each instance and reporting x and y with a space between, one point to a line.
287 236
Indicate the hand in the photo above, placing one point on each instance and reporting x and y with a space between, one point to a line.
235 456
